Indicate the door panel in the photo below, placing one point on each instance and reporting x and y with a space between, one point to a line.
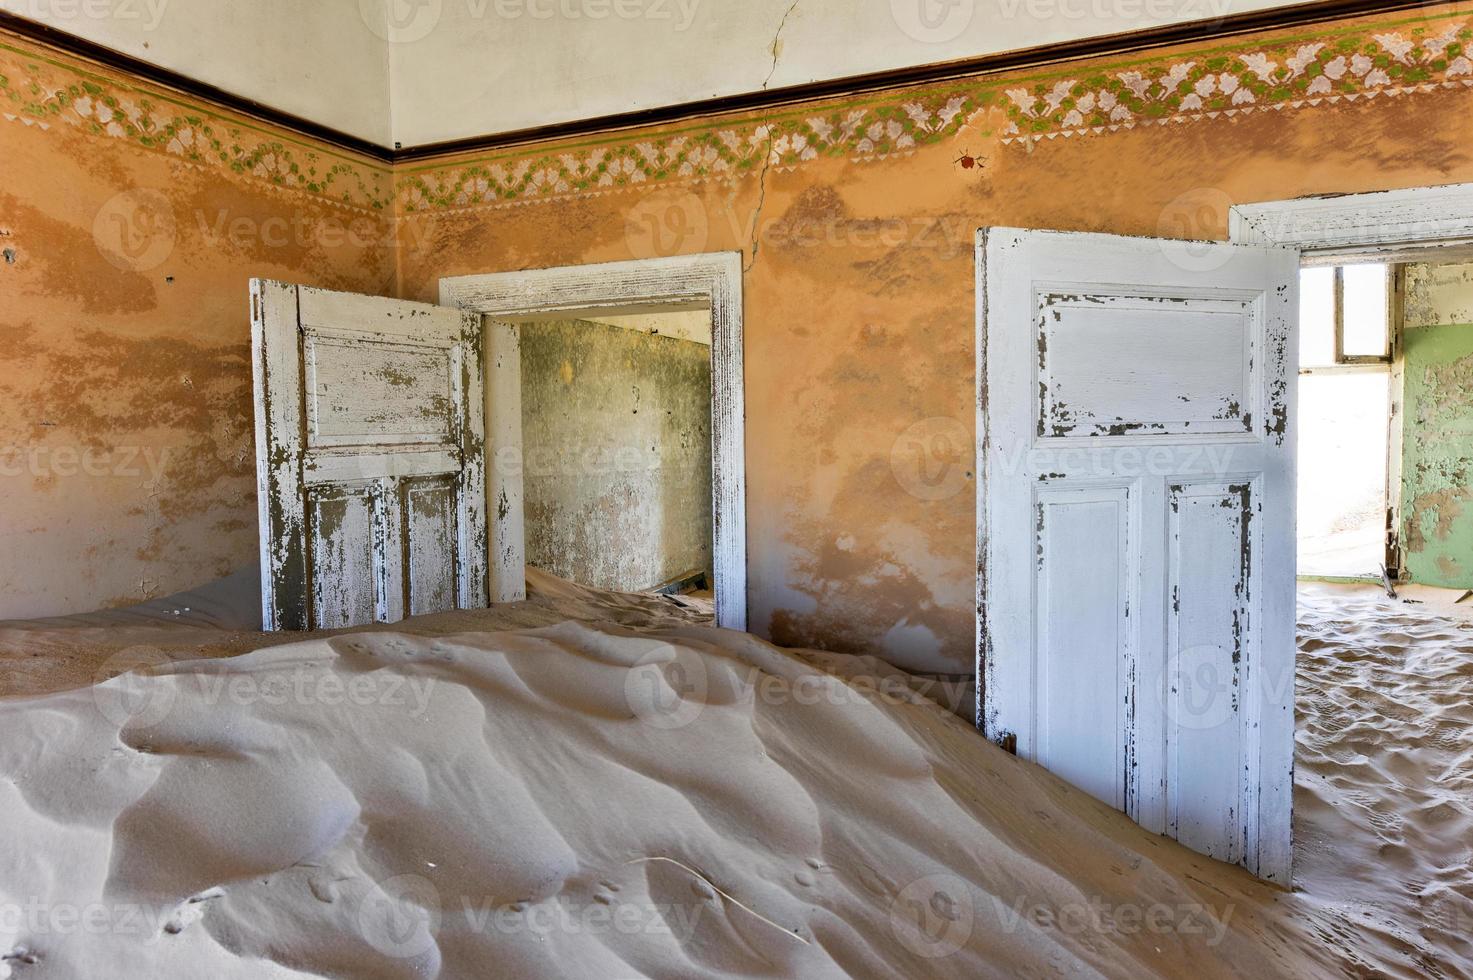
1084 644
1135 531
369 435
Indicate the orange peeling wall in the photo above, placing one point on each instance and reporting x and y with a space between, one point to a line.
130 222
856 219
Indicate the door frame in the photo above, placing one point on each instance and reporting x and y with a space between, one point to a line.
711 281
1418 224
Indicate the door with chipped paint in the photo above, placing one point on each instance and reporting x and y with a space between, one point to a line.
369 457
1136 527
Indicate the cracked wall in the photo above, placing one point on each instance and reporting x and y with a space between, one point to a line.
1437 461
859 291
858 299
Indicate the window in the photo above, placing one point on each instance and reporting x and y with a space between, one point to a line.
1345 315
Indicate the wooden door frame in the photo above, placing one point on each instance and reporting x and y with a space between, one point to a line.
1419 224
711 281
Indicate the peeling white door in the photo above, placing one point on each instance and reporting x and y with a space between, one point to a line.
1136 527
369 457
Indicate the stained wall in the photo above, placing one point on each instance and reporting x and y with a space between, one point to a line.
131 220
1437 443
616 449
855 219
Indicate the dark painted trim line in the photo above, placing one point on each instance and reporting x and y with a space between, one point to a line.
1034 57
71 44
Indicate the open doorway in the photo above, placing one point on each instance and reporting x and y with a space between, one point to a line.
1347 325
616 448
627 305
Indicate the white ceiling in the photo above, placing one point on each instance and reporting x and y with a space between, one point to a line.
422 71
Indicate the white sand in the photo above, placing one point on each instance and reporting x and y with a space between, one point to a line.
662 799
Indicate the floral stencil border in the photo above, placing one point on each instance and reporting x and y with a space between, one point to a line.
1363 61
46 89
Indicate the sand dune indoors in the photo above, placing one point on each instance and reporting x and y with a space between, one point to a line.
663 799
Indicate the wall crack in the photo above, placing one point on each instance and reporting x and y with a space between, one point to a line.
767 155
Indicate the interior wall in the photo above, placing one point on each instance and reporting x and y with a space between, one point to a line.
323 60
616 450
464 68
130 224
856 220
1437 462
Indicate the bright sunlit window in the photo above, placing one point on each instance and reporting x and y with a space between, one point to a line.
1345 315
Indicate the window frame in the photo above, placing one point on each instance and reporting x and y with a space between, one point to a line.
1393 305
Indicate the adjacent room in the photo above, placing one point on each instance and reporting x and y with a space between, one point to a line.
699 488
616 450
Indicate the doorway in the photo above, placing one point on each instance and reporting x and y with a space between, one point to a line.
1348 325
617 295
616 450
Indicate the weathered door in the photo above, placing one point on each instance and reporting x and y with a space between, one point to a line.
1136 527
369 457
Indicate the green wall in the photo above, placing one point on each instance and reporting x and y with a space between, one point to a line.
1437 450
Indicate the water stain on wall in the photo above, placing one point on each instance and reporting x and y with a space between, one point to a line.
1437 464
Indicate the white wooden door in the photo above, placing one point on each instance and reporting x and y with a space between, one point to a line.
1136 527
369 457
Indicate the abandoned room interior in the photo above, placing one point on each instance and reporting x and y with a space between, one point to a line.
675 488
